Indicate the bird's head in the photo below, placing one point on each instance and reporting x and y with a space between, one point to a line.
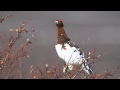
59 23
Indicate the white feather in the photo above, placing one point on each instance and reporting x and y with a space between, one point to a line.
56 22
71 55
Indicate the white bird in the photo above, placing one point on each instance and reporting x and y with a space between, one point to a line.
69 52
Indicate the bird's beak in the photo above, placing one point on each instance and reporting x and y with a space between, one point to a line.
56 22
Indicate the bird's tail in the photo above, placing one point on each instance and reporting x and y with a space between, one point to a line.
87 68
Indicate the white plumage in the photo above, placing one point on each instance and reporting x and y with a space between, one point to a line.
70 54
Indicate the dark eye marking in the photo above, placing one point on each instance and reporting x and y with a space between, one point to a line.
75 50
80 53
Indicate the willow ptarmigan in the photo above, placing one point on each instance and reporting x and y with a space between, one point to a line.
69 52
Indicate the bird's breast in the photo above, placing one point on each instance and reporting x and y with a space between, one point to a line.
68 54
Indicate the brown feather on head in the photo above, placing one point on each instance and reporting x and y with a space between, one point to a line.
61 35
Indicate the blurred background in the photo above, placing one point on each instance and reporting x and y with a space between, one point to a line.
101 27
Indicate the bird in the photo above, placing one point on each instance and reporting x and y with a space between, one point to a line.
68 51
